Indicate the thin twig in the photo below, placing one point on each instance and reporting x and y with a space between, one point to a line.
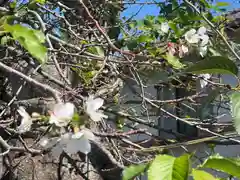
30 80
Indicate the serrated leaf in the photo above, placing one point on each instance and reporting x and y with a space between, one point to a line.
202 175
235 110
228 165
30 39
165 167
174 61
214 64
134 170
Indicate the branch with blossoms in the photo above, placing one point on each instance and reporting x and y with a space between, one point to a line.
95 93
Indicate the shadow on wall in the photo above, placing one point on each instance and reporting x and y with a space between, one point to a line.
201 150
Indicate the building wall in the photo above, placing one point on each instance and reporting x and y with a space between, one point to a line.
201 150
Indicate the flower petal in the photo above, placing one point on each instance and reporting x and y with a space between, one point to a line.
88 134
190 32
64 110
62 114
56 151
49 142
77 135
26 121
94 104
191 36
164 27
203 50
96 116
203 82
75 145
202 30
204 39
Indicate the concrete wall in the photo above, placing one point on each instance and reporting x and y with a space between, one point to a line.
201 150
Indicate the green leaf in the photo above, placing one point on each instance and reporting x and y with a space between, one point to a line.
174 61
201 175
134 170
221 4
13 4
97 50
77 120
132 44
30 39
38 1
144 38
5 39
165 167
228 165
235 110
214 64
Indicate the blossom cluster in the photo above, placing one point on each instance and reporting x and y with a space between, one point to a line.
61 116
192 37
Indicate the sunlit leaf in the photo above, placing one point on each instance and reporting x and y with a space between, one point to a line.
214 64
30 39
235 110
134 170
220 4
202 175
174 61
168 167
228 165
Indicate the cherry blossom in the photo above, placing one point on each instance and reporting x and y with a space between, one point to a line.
92 108
183 50
62 114
70 143
204 77
198 37
164 27
26 121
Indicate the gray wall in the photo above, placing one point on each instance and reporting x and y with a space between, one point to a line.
201 150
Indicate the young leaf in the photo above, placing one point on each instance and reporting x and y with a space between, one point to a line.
235 110
214 64
134 170
174 61
220 4
201 175
30 39
96 50
168 167
228 165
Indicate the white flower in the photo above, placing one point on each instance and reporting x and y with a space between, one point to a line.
203 36
194 37
184 49
171 48
26 121
70 143
203 50
191 36
202 30
62 114
164 27
92 108
203 82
